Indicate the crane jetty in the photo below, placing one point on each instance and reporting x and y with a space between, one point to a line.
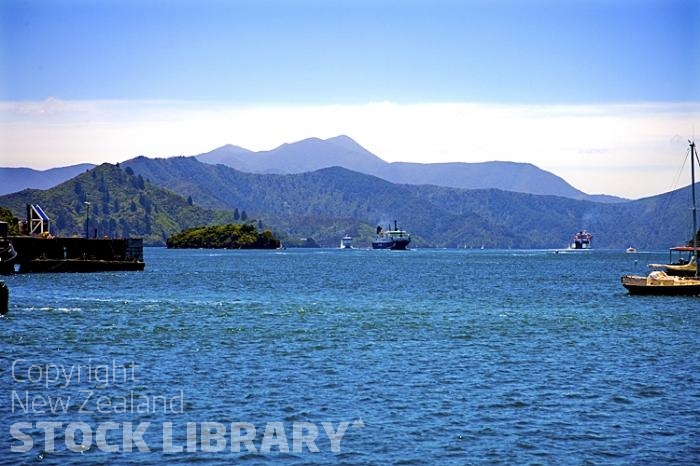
38 251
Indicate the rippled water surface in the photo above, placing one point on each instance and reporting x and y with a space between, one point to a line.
446 357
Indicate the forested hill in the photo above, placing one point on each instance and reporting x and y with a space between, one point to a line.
314 154
122 204
156 198
327 203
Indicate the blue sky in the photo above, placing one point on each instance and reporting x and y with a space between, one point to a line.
352 51
72 74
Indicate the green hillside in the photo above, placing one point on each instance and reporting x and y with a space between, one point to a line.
157 198
7 216
122 204
327 203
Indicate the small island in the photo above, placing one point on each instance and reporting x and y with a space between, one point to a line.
240 236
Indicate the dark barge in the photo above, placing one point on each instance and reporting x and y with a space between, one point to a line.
57 254
38 251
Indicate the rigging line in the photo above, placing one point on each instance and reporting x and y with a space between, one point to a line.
666 211
674 185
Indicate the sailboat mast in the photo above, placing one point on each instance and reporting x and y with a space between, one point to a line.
693 156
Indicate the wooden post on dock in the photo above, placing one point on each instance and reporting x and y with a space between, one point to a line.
4 298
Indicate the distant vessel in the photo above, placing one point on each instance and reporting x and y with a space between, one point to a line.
631 249
391 239
663 283
346 242
581 240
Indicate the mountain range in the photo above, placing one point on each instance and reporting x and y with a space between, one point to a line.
16 179
313 154
324 189
156 198
327 202
342 151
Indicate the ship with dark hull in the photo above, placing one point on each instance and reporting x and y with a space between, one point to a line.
581 240
395 239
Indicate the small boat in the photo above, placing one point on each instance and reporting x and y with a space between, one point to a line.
7 251
631 250
581 240
395 239
661 282
685 264
346 242
7 256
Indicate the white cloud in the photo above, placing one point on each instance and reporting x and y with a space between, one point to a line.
628 150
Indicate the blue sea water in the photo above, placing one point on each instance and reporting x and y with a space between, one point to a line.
425 356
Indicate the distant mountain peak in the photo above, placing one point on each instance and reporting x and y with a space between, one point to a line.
347 143
307 155
302 142
230 148
313 153
343 139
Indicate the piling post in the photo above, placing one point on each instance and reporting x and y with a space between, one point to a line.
4 298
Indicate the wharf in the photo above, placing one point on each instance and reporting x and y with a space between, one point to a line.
57 254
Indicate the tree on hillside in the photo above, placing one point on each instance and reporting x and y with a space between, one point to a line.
79 191
12 221
139 183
